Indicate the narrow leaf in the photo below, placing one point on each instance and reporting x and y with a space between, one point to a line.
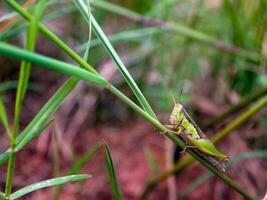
48 183
32 134
123 70
49 108
85 158
50 63
4 157
79 164
4 119
112 174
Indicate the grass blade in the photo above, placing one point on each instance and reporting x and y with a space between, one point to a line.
4 119
79 164
123 70
50 107
50 63
4 157
48 183
14 5
112 175
32 135
127 36
21 91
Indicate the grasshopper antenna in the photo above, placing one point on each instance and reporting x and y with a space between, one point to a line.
181 92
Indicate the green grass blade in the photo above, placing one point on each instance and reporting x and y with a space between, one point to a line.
112 174
4 119
25 67
129 35
48 183
32 134
50 63
14 5
126 75
50 107
47 110
4 157
23 142
79 164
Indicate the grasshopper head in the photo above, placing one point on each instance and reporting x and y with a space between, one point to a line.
176 113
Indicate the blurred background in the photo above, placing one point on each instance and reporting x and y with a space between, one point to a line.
209 55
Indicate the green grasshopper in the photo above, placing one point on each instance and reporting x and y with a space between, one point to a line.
182 124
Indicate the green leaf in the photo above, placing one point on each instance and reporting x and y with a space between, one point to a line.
4 157
32 134
4 119
123 70
25 67
49 108
78 164
112 174
14 5
50 63
48 183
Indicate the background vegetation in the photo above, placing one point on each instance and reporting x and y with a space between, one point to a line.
136 56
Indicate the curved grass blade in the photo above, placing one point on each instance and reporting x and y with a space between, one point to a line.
123 70
50 63
112 174
48 183
47 110
4 119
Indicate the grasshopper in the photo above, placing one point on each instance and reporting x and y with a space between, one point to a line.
182 124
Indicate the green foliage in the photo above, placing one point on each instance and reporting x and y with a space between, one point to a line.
179 54
112 174
48 183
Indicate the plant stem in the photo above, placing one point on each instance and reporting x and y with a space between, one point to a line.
10 171
220 135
